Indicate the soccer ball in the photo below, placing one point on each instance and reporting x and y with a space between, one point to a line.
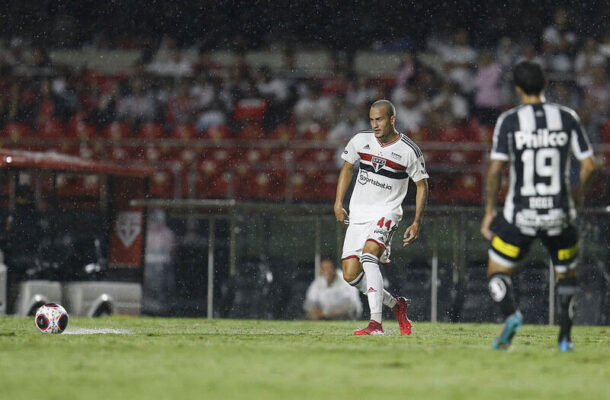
51 318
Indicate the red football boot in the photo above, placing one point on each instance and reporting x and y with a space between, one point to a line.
400 312
374 328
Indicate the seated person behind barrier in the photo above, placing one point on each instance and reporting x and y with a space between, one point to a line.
330 297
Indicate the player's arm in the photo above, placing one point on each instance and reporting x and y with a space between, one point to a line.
587 172
421 199
345 177
492 187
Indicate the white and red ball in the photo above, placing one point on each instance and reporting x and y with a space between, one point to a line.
51 318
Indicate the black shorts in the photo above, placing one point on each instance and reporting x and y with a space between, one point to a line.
509 245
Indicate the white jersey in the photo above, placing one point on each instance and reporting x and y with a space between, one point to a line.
383 177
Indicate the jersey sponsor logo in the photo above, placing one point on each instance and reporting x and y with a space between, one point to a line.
363 179
540 138
396 156
367 146
378 163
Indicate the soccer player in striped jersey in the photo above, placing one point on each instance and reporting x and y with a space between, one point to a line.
387 160
535 139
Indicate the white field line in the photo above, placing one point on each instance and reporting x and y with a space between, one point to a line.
95 331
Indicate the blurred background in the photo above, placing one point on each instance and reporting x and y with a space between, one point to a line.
253 102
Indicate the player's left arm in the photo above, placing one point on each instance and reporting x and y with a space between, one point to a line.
492 187
587 172
421 199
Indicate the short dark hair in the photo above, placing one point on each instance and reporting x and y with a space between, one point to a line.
389 107
327 257
529 76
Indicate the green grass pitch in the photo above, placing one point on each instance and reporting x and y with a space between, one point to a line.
155 358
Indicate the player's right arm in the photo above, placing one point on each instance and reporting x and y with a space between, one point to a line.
492 187
345 177
587 170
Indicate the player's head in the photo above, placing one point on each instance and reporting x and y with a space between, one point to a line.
529 78
382 117
327 268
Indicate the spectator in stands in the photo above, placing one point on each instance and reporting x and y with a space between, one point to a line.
409 108
138 105
330 297
312 108
587 59
448 108
275 91
406 70
487 83
182 106
105 110
459 59
212 116
361 92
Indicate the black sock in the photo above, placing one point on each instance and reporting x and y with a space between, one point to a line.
501 291
566 288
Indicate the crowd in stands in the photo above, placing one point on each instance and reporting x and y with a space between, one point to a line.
450 92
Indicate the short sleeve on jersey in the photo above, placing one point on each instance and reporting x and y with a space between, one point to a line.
499 148
417 168
581 147
350 154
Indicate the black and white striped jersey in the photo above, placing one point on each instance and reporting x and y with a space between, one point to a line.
383 176
537 140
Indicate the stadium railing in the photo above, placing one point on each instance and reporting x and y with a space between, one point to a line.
444 271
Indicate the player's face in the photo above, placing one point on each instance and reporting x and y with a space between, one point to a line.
381 123
327 270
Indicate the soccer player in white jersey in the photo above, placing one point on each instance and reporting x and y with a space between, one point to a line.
387 160
535 139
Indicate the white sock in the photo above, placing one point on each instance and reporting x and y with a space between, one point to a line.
360 284
374 283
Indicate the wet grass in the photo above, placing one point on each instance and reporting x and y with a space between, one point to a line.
148 358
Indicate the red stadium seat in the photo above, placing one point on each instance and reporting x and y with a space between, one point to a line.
605 132
249 109
212 182
15 131
82 130
315 132
183 131
323 158
478 132
313 184
453 134
51 129
267 184
162 184
251 132
117 130
217 133
150 130
283 133
466 189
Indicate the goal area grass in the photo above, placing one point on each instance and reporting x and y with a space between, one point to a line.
158 358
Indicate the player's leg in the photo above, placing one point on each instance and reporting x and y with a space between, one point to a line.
353 273
355 276
507 248
564 254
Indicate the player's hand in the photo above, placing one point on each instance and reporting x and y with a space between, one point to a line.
411 234
341 215
579 197
486 224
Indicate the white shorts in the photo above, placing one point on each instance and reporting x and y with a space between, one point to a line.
379 231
